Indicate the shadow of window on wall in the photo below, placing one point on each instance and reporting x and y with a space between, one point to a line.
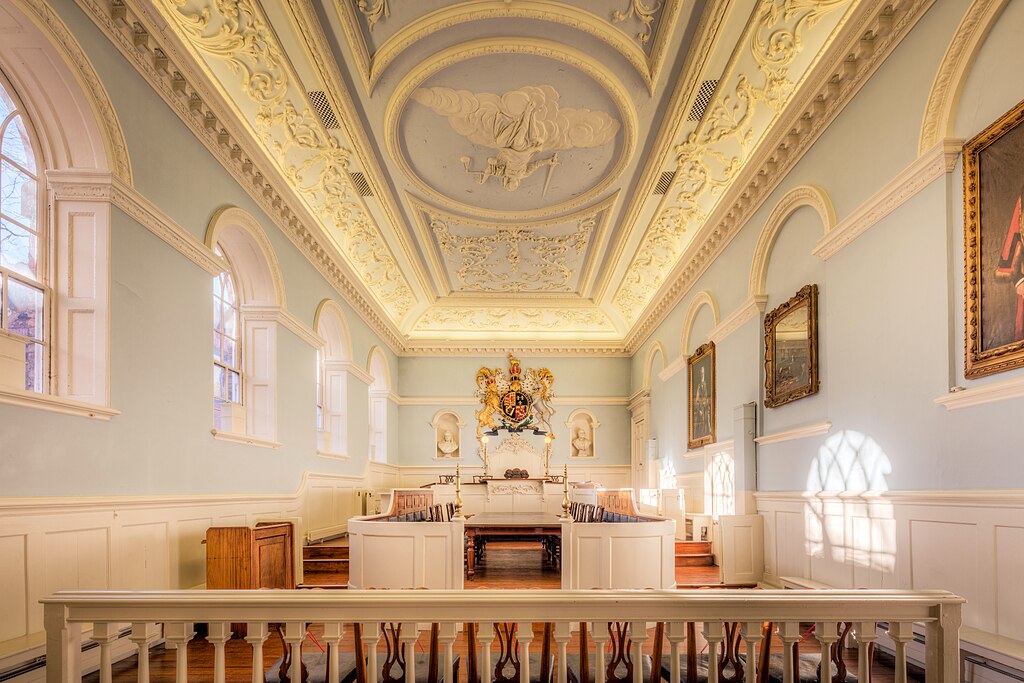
847 519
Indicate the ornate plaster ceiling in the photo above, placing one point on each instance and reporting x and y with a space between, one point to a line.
508 169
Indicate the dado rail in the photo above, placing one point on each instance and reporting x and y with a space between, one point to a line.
746 622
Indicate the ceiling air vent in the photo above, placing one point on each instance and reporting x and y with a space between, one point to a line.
664 182
323 109
700 105
360 184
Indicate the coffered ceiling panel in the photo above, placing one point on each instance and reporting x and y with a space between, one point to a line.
505 169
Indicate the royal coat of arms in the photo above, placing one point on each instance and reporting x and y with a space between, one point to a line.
518 401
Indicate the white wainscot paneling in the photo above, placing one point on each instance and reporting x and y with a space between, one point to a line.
1009 586
143 553
958 569
14 582
77 559
191 551
791 550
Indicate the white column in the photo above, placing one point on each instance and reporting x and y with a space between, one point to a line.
256 635
179 634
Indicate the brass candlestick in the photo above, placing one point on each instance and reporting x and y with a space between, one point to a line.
565 494
483 451
458 495
547 456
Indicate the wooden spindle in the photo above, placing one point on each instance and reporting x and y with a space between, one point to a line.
524 634
178 634
866 637
218 633
334 631
104 634
901 632
826 633
256 634
141 635
713 633
789 634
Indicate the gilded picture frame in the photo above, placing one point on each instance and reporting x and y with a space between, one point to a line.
791 349
994 247
700 396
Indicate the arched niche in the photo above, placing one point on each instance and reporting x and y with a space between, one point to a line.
582 427
329 323
653 353
250 253
944 97
380 371
447 422
702 299
380 389
805 195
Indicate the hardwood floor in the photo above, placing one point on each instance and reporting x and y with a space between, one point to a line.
507 565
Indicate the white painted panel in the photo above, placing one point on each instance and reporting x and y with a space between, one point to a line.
742 538
143 563
13 587
388 561
1009 587
82 243
230 520
588 563
319 506
192 552
944 555
436 556
635 562
792 546
259 406
81 370
260 351
76 559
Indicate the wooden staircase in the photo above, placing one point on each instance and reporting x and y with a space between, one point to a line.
326 564
694 554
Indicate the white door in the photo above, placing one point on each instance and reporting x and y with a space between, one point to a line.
742 548
638 458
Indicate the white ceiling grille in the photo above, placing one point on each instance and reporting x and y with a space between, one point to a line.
360 184
323 109
700 105
664 182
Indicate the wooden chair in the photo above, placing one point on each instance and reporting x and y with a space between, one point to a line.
507 667
619 662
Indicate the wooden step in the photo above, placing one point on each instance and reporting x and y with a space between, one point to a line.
324 565
325 552
695 560
692 547
324 586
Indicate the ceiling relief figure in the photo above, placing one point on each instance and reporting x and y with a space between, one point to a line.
520 125
643 12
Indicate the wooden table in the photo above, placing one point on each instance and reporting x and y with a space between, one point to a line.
540 524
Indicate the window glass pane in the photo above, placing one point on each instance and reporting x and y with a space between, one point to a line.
229 290
216 346
320 418
229 352
216 287
231 323
219 383
17 195
34 362
6 104
217 313
18 249
234 387
24 309
17 146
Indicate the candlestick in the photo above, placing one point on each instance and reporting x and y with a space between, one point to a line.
458 495
547 456
483 450
565 494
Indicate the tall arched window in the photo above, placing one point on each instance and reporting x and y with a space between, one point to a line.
380 390
332 363
23 315
227 349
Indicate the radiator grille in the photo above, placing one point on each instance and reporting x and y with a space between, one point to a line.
318 98
700 104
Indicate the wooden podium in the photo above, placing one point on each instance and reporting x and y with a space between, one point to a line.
240 557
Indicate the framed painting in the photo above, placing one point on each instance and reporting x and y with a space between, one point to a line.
791 349
994 247
700 370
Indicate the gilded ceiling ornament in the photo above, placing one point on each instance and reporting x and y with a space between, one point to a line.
520 125
547 270
512 319
373 11
712 157
313 161
644 13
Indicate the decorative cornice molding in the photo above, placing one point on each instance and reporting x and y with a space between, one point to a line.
359 373
533 348
445 401
749 309
65 41
192 100
928 167
286 319
960 397
864 44
944 96
150 216
802 432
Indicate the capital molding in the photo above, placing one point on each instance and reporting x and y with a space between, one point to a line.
750 308
283 317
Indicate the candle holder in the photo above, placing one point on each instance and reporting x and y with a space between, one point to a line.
483 452
565 494
547 456
458 495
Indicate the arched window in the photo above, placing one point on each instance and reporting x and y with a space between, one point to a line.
333 360
25 307
227 351
380 390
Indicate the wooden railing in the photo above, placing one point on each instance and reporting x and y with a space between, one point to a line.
678 611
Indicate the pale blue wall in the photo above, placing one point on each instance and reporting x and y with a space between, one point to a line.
891 303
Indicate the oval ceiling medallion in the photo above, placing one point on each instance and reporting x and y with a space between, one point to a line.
510 128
